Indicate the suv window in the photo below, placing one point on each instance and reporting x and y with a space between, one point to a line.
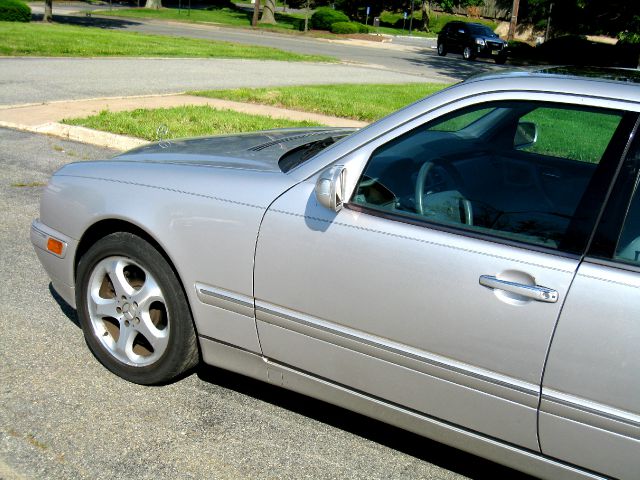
482 30
504 169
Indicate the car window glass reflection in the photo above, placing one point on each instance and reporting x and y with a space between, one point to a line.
517 170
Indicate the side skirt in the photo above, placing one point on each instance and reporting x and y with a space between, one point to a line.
252 365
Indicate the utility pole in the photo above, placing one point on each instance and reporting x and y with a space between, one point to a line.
306 16
256 13
514 19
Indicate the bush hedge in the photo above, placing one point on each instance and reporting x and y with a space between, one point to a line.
345 27
324 17
14 11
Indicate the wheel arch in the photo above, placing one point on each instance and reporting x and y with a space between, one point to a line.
105 227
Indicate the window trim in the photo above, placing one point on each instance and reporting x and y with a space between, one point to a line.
440 227
609 156
606 235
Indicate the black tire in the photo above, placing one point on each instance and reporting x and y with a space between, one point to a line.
158 340
468 53
442 50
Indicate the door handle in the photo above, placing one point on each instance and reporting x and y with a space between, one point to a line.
534 292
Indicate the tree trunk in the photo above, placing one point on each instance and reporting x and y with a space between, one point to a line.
514 20
48 11
157 4
269 12
256 13
426 14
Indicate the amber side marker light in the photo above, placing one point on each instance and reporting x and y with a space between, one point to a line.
55 246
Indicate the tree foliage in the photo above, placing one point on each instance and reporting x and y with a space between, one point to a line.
607 17
14 11
324 17
610 17
356 9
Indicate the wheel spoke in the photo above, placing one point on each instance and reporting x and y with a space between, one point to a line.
104 307
115 270
124 345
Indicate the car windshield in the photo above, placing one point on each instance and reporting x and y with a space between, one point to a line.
301 154
481 30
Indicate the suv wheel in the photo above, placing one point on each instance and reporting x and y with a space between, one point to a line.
442 51
468 53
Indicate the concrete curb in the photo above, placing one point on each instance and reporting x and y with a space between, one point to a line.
80 134
44 118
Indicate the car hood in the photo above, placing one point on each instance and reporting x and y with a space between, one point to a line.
248 151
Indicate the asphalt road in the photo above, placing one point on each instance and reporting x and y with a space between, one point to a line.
421 60
29 80
63 416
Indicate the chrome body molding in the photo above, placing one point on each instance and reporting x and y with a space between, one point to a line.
256 366
588 412
221 298
431 364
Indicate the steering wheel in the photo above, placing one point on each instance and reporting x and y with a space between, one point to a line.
423 173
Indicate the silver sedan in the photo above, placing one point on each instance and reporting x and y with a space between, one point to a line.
467 268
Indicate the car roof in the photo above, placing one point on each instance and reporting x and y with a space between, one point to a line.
614 83
609 88
462 22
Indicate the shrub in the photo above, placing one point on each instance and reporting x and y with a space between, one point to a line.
631 36
362 28
324 17
345 28
14 11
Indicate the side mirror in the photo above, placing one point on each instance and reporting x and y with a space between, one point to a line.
330 187
526 135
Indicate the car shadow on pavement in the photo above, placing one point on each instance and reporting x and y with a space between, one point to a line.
373 430
453 65
67 309
89 21
419 447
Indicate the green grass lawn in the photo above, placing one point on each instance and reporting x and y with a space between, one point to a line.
225 16
359 102
70 41
557 128
187 121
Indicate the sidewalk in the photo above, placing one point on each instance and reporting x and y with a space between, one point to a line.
45 118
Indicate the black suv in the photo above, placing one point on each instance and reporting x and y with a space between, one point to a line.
473 40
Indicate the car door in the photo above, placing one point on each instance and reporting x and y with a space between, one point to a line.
590 408
439 284
458 34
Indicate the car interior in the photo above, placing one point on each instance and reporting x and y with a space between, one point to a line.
481 169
